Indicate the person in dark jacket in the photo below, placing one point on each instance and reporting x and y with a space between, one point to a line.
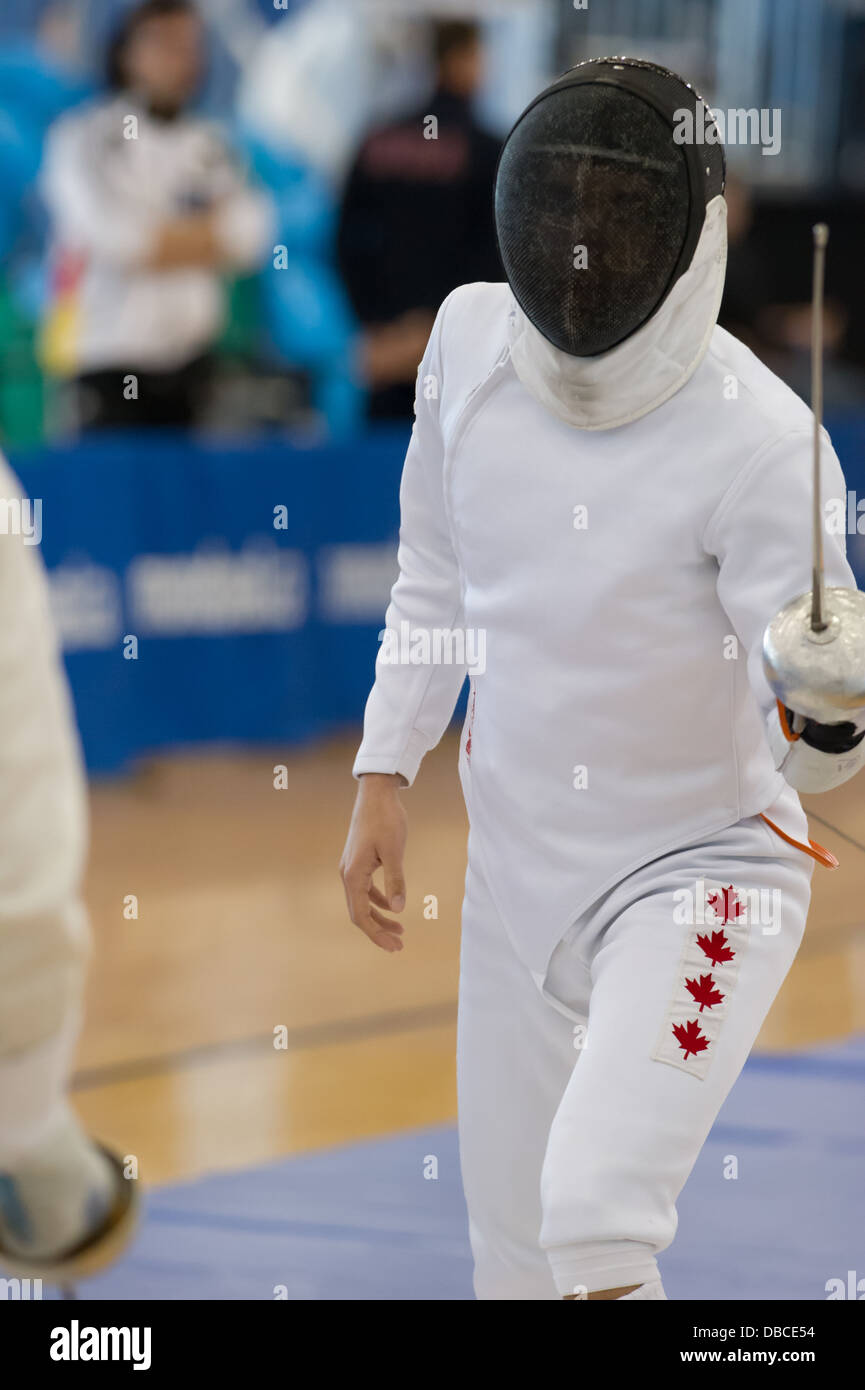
416 219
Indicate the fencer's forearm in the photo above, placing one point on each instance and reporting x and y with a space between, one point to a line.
382 782
415 691
411 702
410 705
400 750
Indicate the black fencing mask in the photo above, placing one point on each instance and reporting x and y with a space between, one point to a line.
598 206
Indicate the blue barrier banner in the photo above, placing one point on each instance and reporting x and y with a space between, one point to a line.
214 593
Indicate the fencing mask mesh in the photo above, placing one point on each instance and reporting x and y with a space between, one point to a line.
598 209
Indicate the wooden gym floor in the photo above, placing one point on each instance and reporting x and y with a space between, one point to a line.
241 931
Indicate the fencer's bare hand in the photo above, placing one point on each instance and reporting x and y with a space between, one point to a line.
376 840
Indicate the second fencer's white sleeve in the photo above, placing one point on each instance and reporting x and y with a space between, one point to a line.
410 706
44 935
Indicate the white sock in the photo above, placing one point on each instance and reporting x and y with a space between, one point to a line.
653 1290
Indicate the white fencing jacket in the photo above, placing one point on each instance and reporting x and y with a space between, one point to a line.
623 578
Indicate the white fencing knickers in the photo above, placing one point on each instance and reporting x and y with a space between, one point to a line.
584 1103
43 826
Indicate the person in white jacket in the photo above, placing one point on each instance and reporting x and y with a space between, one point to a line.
149 209
66 1208
614 494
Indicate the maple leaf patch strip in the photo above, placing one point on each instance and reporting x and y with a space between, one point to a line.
715 943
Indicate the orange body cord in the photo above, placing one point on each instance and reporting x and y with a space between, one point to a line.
822 856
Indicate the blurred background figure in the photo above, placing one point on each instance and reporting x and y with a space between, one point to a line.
777 331
42 73
417 218
746 287
149 208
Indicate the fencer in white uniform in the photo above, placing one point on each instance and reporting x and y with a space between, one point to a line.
617 494
65 1207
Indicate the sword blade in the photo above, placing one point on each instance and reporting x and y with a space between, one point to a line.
821 237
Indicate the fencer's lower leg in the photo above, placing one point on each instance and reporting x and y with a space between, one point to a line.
59 1191
55 1185
635 1114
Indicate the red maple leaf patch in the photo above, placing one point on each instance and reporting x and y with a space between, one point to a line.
689 1038
703 992
727 904
715 947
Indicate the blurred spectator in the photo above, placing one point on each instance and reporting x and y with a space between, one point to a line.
417 219
306 83
778 329
40 77
748 280
778 332
148 209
